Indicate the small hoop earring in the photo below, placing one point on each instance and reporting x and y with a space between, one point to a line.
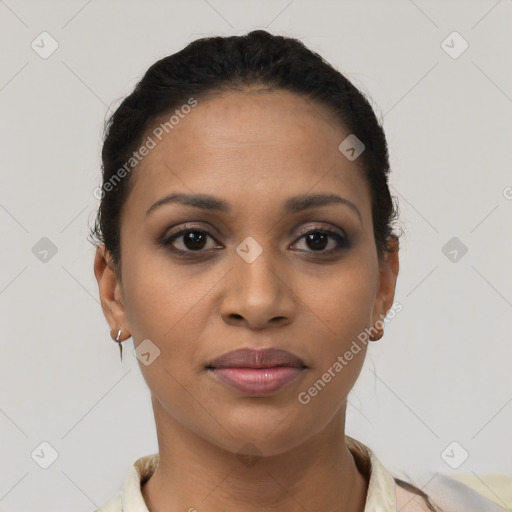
117 339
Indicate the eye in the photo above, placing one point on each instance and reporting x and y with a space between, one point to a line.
318 239
192 240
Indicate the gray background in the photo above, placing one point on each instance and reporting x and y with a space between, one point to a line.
442 371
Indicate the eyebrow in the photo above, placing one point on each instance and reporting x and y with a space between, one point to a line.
292 205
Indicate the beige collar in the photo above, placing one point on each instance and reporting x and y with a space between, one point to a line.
381 495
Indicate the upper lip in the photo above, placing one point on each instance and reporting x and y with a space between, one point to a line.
257 358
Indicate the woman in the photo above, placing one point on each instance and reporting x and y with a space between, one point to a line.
247 247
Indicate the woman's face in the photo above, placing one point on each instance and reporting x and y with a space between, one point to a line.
254 280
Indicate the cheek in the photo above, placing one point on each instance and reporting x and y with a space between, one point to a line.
157 297
164 309
342 305
170 307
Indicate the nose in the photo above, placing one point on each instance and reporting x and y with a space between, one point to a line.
257 294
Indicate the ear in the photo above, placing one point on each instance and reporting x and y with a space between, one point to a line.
388 273
110 289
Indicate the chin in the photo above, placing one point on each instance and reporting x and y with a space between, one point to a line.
267 438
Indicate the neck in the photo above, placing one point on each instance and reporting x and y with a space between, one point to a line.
196 474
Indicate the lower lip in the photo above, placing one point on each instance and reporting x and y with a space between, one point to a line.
258 381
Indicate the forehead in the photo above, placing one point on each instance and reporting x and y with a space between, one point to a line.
242 145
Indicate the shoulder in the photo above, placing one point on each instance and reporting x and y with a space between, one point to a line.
460 493
130 496
495 487
409 501
454 493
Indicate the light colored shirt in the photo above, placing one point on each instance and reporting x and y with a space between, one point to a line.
457 493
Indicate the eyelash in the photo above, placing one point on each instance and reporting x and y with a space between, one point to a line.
166 242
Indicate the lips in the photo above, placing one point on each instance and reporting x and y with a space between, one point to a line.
252 358
257 372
